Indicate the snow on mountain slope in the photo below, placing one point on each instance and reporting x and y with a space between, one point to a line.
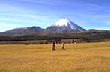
64 25
67 23
61 22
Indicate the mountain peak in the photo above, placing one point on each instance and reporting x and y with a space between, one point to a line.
64 25
65 22
62 22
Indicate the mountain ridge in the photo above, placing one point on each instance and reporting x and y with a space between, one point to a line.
61 25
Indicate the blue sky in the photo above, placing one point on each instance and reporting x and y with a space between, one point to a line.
89 14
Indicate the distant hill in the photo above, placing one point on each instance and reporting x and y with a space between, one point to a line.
26 30
87 36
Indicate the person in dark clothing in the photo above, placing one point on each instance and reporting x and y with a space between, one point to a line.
53 46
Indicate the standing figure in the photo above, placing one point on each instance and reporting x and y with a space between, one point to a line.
63 46
53 46
74 41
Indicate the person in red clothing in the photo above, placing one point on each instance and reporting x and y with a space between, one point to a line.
53 46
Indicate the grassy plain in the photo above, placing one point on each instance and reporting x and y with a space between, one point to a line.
83 57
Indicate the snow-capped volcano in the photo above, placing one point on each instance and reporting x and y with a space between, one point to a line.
64 25
62 22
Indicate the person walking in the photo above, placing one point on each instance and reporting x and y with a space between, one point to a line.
63 46
53 46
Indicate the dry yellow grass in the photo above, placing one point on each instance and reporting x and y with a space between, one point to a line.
84 57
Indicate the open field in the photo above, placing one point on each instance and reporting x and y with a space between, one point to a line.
83 57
